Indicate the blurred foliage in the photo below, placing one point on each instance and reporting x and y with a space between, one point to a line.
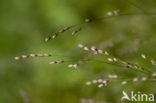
25 23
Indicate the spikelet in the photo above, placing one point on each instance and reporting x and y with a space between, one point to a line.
143 56
136 79
124 82
144 78
110 59
154 75
153 62
80 46
94 81
88 83
87 20
109 13
18 58
54 36
57 62
73 65
100 85
115 59
51 37
106 53
83 100
33 55
100 51
64 29
47 39
76 31
115 12
86 48
93 48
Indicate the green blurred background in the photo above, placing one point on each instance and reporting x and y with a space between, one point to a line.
25 23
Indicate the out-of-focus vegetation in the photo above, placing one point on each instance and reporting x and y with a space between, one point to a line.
25 23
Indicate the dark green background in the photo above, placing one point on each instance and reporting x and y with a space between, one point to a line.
25 23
